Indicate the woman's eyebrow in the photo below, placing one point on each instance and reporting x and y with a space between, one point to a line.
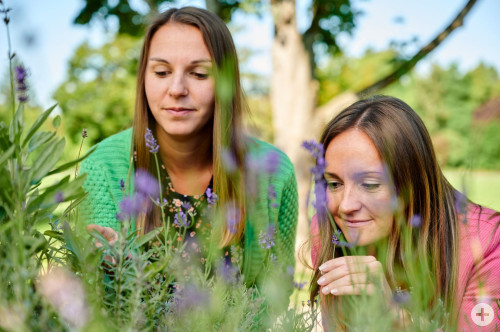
192 62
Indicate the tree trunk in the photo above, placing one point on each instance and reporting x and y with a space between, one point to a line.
293 99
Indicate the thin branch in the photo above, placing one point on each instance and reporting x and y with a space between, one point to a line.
409 64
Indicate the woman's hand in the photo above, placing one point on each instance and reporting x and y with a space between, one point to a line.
107 232
353 275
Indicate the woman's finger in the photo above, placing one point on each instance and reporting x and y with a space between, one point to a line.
350 280
372 268
358 289
107 232
345 260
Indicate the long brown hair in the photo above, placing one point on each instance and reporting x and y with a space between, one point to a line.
227 120
406 149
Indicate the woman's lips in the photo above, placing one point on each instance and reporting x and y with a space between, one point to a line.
356 223
179 111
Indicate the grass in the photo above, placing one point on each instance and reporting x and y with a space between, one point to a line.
482 187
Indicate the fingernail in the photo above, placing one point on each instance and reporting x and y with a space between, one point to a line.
325 290
334 291
321 280
322 267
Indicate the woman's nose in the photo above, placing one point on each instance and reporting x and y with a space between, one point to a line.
350 201
177 87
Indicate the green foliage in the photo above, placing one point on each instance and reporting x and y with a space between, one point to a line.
446 100
99 92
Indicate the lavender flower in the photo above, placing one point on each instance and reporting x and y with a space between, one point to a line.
186 205
130 207
232 217
84 133
267 239
211 196
228 161
271 195
151 141
122 185
317 151
21 84
314 148
336 240
190 297
461 203
401 297
146 184
416 221
299 285
227 271
163 204
59 197
271 162
320 201
181 219
336 237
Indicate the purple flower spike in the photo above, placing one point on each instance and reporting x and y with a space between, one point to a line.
190 297
211 196
227 271
130 208
151 141
21 83
122 185
271 162
299 285
267 239
146 184
181 220
416 221
228 161
401 297
232 217
336 237
314 148
59 197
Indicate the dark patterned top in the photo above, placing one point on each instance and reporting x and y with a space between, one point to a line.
190 217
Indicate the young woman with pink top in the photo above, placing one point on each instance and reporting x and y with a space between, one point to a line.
389 213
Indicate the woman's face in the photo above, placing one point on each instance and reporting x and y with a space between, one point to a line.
178 81
358 192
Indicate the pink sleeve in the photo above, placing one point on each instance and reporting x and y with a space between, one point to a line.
479 268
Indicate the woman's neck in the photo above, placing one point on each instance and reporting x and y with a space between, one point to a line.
188 161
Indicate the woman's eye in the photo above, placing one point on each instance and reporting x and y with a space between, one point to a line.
333 185
161 73
200 76
370 186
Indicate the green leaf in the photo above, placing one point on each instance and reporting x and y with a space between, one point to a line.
39 139
54 234
70 190
47 159
41 119
56 122
36 243
16 126
75 203
71 163
71 242
147 237
7 154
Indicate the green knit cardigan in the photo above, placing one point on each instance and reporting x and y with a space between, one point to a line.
109 163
